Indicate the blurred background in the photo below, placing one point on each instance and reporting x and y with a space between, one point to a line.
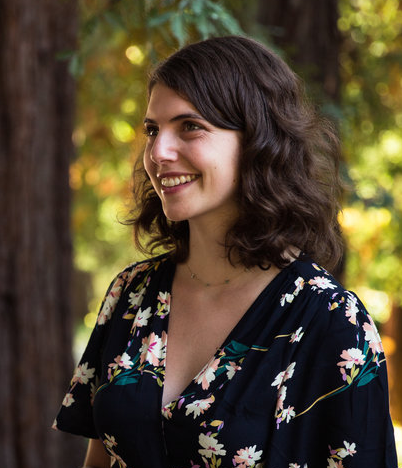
72 99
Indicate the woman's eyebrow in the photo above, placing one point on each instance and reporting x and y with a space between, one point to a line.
190 115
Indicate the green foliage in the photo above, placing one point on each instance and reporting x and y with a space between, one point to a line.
371 67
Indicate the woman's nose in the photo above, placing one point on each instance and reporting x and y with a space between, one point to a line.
164 148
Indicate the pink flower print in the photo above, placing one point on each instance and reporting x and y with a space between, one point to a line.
349 449
247 456
352 356
372 336
297 335
124 361
351 309
198 407
232 368
334 464
142 317
110 302
153 349
166 412
68 400
82 374
281 398
322 283
207 374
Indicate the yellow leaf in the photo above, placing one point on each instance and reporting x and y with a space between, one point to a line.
216 423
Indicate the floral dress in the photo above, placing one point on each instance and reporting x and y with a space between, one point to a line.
300 381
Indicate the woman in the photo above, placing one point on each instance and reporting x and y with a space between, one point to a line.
269 361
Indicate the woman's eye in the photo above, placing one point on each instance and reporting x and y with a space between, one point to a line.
151 131
191 126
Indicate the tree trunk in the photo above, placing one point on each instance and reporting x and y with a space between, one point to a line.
36 121
391 333
307 30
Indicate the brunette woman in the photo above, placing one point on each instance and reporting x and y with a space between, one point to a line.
236 347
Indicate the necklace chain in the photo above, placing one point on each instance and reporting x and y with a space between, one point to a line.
194 276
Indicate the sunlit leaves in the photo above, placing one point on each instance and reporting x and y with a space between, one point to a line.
371 67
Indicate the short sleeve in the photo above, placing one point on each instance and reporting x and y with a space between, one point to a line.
333 409
75 415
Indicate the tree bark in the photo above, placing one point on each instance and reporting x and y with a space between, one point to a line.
307 30
391 333
36 121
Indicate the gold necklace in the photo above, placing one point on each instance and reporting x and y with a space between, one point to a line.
194 276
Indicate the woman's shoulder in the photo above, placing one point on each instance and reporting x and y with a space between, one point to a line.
312 281
315 278
140 268
135 277
327 299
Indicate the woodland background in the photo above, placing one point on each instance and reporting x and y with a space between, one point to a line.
72 98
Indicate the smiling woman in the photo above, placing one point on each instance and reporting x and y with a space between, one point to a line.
235 348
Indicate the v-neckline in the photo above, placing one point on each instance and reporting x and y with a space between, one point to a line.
267 289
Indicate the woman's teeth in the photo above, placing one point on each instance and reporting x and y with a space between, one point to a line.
178 180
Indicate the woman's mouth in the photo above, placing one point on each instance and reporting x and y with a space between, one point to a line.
177 180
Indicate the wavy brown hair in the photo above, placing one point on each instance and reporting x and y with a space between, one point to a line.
289 185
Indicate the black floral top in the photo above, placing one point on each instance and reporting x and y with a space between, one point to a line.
300 382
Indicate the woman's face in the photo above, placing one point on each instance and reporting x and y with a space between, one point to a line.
192 164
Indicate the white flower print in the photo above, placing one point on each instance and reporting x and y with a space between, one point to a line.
135 299
288 413
142 317
164 298
286 298
372 336
110 441
232 368
284 375
210 446
299 285
68 400
334 464
198 407
352 356
349 449
153 349
322 283
82 374
207 374
294 465
248 456
351 309
125 361
297 335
